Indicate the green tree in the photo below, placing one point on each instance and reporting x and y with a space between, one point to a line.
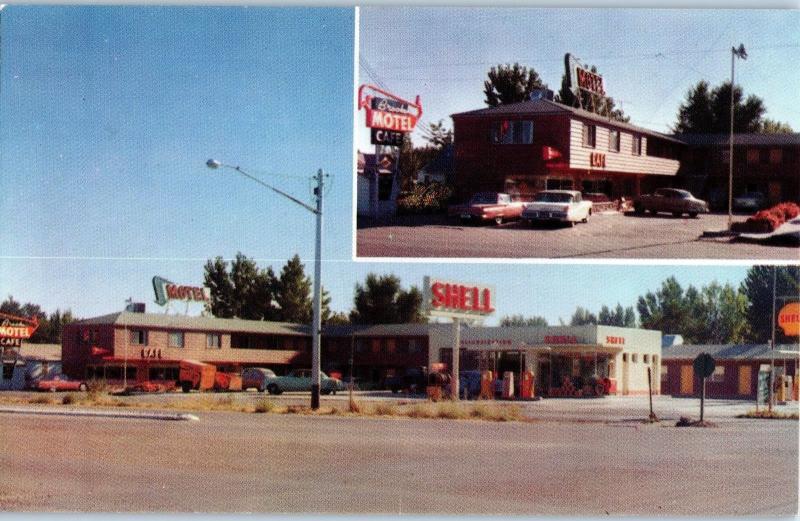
293 295
619 316
381 300
245 292
519 320
669 309
437 134
709 111
412 159
723 314
603 105
757 287
582 317
770 126
510 84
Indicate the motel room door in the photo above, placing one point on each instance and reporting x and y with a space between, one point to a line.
687 379
745 379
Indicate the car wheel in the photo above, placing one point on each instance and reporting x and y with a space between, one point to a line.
273 389
676 214
638 209
571 223
52 389
82 388
325 392
186 386
395 390
693 215
586 219
498 221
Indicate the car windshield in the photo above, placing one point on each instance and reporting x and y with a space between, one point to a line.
552 197
682 194
484 198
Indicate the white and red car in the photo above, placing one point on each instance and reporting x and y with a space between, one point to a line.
484 207
567 206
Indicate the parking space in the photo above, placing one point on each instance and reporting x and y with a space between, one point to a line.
606 235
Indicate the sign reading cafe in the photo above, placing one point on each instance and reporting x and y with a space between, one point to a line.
388 116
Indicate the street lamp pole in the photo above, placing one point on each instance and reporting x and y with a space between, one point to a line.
740 53
316 326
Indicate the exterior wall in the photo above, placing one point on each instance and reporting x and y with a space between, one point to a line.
728 387
705 172
623 161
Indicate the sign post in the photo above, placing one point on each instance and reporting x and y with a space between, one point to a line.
458 301
703 368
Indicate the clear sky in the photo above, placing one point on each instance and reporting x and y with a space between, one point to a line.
649 57
108 114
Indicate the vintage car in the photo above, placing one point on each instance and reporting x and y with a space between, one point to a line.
670 200
487 207
300 380
750 202
256 378
412 380
61 383
567 206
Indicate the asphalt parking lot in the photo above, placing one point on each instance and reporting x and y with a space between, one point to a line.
235 462
607 235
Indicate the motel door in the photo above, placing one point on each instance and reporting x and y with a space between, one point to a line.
687 379
745 378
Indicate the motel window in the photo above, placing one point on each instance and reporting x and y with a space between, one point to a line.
775 156
385 183
637 145
138 337
664 368
646 359
634 358
361 345
176 339
589 135
726 156
413 346
213 341
753 155
613 140
507 132
8 371
719 374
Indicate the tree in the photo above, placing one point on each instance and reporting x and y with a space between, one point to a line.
412 159
519 320
293 295
603 105
770 126
757 287
617 317
381 300
510 84
247 292
437 135
669 309
706 111
582 317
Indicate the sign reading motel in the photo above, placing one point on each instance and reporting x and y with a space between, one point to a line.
167 291
13 329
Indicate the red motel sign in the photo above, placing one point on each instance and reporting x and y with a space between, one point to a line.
17 328
389 111
589 81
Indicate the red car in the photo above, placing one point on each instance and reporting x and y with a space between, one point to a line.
61 383
487 207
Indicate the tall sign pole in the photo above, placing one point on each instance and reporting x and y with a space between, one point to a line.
455 382
772 350
741 53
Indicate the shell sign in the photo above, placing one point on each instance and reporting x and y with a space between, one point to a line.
789 319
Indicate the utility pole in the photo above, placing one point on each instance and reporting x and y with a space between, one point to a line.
772 350
317 304
741 53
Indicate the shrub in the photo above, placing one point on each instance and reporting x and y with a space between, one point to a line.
450 411
384 409
421 410
430 198
263 405
43 400
766 221
68 399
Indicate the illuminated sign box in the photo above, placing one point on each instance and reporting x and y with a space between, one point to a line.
456 299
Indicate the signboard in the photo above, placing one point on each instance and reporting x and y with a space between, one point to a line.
386 137
388 112
167 291
457 300
703 365
789 319
597 159
590 81
13 329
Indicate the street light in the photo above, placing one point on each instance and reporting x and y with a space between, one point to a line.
735 53
316 319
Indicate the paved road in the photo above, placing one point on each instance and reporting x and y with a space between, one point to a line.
284 463
611 235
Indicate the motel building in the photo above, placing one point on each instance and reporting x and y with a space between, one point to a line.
150 346
522 148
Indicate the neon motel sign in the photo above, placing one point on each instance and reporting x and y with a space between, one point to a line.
166 291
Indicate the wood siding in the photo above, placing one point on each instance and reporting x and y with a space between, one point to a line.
623 161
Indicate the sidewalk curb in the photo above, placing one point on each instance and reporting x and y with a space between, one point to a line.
100 414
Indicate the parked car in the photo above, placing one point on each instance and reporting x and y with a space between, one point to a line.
256 378
750 202
300 380
670 200
487 207
61 383
413 380
566 206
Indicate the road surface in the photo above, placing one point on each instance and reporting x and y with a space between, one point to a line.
235 462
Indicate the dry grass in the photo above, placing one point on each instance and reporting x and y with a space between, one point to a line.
264 405
68 399
384 409
766 414
49 400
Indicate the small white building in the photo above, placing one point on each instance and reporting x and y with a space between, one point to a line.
30 363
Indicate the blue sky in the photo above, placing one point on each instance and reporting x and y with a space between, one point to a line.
649 57
108 114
